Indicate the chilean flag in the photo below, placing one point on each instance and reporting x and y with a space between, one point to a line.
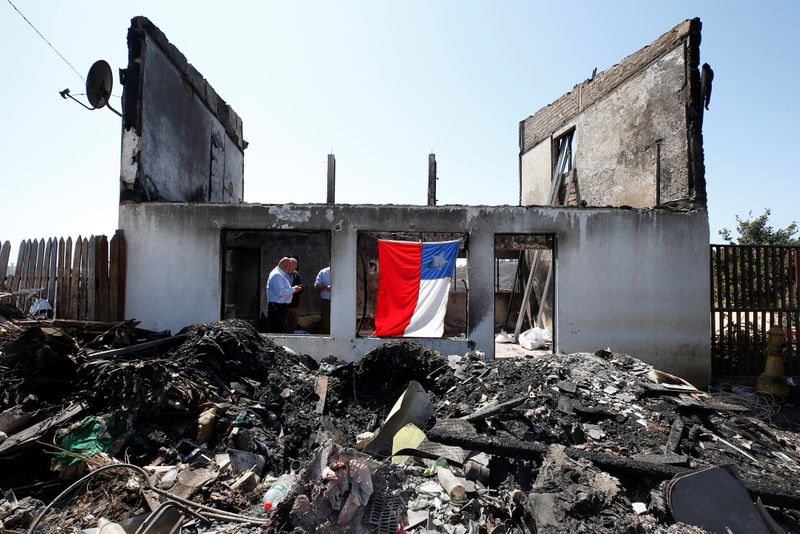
413 285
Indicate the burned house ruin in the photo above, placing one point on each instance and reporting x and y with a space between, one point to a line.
625 223
108 424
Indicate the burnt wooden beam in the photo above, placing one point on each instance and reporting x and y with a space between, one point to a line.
331 198
432 179
532 450
618 465
140 347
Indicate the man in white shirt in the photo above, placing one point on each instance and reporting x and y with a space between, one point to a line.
279 294
323 285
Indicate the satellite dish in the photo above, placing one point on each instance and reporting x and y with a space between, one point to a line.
99 82
98 87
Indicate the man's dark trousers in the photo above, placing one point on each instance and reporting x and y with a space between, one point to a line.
276 313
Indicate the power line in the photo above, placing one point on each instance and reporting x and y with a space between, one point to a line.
46 41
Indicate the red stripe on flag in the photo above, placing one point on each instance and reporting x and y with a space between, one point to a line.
398 286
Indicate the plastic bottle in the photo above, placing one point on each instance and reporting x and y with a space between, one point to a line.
277 491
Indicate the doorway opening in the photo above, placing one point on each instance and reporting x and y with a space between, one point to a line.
525 279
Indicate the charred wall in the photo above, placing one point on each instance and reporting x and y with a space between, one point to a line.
637 128
627 279
181 142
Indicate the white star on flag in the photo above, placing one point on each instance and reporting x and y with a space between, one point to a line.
438 261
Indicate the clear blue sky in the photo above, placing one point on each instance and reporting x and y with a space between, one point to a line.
382 84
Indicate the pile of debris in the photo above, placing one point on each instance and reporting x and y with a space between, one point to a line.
108 427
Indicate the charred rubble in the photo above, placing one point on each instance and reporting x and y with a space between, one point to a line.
108 424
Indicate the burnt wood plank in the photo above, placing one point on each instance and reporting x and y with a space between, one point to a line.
45 280
59 291
615 464
113 278
718 317
122 269
83 312
5 252
92 281
752 299
13 283
66 308
53 272
30 275
714 346
37 280
75 285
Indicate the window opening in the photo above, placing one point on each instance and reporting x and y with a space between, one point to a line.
369 275
252 255
524 282
564 188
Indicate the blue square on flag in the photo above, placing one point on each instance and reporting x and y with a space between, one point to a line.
439 260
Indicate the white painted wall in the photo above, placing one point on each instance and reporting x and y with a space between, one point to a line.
640 287
636 281
537 174
174 267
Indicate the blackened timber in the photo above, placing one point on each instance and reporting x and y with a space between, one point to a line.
494 410
431 179
140 347
531 450
331 197
675 433
618 465
5 252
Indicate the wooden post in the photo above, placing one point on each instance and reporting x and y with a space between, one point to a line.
331 179
92 278
35 264
5 252
14 282
59 291
84 285
432 179
113 278
21 274
75 282
102 273
45 280
65 310
37 281
51 285
122 268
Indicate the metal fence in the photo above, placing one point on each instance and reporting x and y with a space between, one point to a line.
752 289
80 280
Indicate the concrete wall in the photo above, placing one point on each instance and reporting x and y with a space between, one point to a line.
180 141
536 169
638 139
636 281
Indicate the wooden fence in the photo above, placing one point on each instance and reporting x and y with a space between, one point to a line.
82 280
753 288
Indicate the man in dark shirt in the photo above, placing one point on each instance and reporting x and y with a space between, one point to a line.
294 306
